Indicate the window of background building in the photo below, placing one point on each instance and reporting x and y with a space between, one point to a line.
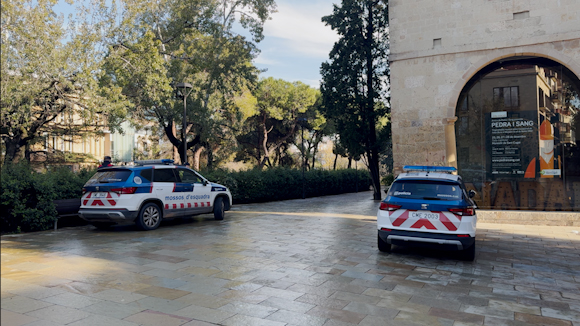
509 96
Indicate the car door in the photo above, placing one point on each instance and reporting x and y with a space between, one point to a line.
198 199
165 187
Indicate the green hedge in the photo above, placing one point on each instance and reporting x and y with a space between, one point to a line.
26 196
26 200
255 186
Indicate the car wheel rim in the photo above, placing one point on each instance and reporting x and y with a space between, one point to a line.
151 216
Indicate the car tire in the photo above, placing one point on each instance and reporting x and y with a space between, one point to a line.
149 217
469 253
383 246
219 209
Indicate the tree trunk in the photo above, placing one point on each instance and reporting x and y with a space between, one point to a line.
335 160
373 155
264 145
375 178
311 157
14 149
175 149
196 156
178 144
317 140
209 152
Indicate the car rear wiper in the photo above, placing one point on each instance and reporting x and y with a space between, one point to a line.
431 198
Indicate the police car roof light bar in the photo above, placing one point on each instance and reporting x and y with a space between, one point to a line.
428 168
164 161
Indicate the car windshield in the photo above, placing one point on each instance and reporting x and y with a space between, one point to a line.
426 189
110 176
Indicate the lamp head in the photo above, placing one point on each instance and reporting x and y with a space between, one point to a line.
182 89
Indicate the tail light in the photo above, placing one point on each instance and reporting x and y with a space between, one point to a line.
84 191
125 190
469 211
388 207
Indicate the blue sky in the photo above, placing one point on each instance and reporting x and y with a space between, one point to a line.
296 41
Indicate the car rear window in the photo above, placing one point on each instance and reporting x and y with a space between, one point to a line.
426 189
110 176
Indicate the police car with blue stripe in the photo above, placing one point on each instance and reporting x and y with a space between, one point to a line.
428 206
149 192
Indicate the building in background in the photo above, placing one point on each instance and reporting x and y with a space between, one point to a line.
131 145
72 144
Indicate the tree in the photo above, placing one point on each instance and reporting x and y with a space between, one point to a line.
49 66
190 42
354 82
315 126
274 125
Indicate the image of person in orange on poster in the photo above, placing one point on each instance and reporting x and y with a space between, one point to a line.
546 147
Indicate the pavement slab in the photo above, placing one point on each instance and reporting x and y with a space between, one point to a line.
297 262
8 317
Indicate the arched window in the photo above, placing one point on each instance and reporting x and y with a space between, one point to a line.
518 135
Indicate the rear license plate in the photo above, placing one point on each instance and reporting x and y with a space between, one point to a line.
426 215
100 194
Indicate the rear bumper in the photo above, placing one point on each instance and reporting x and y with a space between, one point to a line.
108 215
426 239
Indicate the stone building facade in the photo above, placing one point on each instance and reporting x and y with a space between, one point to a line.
439 49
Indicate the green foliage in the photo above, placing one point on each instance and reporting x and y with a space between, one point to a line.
355 81
26 199
160 43
68 183
48 67
388 180
274 184
273 126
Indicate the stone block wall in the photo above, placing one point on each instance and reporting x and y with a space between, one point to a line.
438 45
529 217
472 25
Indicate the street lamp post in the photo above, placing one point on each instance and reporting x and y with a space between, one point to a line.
183 89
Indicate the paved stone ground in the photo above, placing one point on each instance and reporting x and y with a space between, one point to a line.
300 262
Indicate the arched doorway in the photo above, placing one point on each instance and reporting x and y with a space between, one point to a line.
518 135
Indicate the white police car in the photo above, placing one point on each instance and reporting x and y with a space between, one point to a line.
149 192
426 206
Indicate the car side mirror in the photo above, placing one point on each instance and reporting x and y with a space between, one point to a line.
472 193
205 182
